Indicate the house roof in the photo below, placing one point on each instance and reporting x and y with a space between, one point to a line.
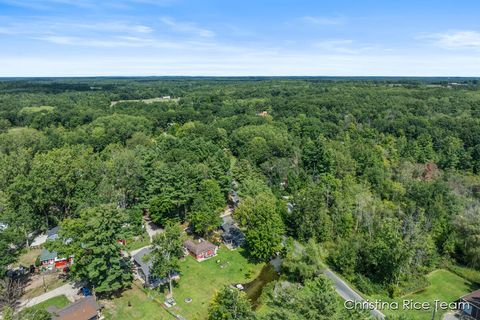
199 247
145 266
47 255
52 234
473 298
83 309
138 258
235 197
234 236
53 231
228 223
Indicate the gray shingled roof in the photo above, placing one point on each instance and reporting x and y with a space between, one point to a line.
52 234
139 260
473 298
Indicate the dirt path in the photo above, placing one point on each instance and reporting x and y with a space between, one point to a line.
152 229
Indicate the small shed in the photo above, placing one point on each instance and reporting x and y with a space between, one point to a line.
201 249
471 305
51 235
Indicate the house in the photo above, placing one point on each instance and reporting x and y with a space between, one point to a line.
143 270
232 236
234 198
471 304
49 260
83 309
51 235
262 114
201 249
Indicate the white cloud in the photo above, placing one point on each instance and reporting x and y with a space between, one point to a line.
216 64
342 46
47 27
187 27
455 40
85 4
114 42
324 21
110 26
49 4
4 30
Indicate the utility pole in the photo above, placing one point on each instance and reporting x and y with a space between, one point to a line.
44 285
434 310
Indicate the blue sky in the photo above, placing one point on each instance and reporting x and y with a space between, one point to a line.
227 37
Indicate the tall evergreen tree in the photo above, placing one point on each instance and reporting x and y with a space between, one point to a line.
207 206
92 239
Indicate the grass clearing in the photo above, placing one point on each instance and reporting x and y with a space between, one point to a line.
29 110
36 287
142 307
200 280
27 257
445 286
138 243
147 101
58 302
470 274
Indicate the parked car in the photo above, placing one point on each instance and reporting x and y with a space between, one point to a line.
86 292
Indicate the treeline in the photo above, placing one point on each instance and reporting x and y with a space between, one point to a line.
384 178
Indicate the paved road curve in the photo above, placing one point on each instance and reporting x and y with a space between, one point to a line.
348 293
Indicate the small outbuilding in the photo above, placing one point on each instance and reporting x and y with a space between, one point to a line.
200 249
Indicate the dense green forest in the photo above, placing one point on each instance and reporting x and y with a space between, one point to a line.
379 177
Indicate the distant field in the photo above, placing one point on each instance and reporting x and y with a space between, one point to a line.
28 110
444 286
147 101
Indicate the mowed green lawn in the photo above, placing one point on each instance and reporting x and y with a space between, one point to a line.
142 307
200 280
445 286
59 302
